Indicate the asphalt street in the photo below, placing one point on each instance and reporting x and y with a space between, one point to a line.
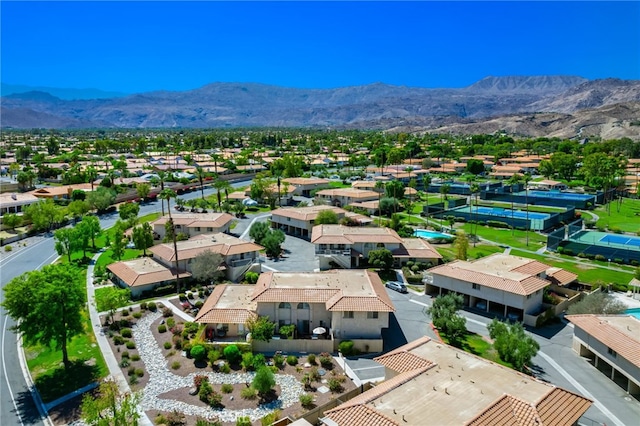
17 406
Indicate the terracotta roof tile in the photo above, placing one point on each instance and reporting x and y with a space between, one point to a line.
506 411
143 271
561 407
340 234
403 361
360 415
221 243
618 332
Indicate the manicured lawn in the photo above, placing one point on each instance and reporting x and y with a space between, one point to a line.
339 184
478 345
627 220
45 364
505 237
480 250
107 257
588 272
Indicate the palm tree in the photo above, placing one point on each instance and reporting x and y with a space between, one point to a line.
380 188
527 179
221 185
168 194
513 180
216 158
92 175
475 189
200 173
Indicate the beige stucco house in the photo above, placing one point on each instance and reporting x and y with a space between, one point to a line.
299 221
238 255
611 343
341 197
192 224
143 275
431 383
304 186
499 283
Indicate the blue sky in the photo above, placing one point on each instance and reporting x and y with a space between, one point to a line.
143 46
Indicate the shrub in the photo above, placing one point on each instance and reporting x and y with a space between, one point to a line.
215 399
198 352
314 375
199 304
130 345
143 306
205 390
226 388
568 251
162 328
560 250
186 346
175 365
244 420
131 371
213 356
600 257
306 400
190 296
618 260
326 361
126 332
311 359
8 248
335 385
177 342
225 368
278 360
137 315
175 418
247 361
125 362
125 354
171 322
258 361
232 354
292 360
199 379
251 277
167 345
182 297
135 357
118 340
270 418
249 393
582 255
152 306
167 312
139 372
346 347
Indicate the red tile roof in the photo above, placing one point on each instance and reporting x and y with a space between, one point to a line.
143 271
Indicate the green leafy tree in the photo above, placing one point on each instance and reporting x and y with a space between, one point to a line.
564 164
93 229
512 344
597 303
444 190
388 206
78 208
11 220
113 298
206 266
83 234
381 258
475 166
261 329
119 242
101 198
110 407
129 210
143 190
445 317
326 217
461 245
272 243
545 168
65 242
263 381
44 215
259 231
143 237
394 189
47 306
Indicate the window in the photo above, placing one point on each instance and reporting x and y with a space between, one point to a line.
209 229
528 296
476 286
372 315
197 229
284 305
347 314
612 352
303 306
288 219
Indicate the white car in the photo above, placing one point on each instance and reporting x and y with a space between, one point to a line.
397 286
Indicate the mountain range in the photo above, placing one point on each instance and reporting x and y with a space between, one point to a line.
375 105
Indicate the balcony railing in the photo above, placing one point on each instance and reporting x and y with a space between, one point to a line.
235 263
334 252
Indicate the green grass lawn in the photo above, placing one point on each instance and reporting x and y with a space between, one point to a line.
51 379
107 258
627 219
481 250
588 271
508 237
478 345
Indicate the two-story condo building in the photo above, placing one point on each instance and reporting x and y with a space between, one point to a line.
192 224
341 197
299 221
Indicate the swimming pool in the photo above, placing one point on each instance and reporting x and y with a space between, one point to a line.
423 233
635 312
558 194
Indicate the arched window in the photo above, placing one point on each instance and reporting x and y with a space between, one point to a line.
284 305
303 305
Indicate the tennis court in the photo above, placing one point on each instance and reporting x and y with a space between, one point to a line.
558 194
536 219
608 240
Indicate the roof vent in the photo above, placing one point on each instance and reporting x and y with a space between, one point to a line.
14 196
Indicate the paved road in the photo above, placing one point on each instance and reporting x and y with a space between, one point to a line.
16 403
556 362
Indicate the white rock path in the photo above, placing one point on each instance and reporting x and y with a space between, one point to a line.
162 380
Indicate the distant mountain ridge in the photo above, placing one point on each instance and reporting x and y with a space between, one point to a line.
375 105
66 94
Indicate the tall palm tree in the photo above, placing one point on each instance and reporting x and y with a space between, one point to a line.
526 179
512 181
200 173
380 189
92 175
168 194
475 190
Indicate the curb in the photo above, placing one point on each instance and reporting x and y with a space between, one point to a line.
42 408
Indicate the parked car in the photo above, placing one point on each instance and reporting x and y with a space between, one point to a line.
397 286
481 305
513 316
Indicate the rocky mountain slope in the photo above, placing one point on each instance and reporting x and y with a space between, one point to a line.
372 106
